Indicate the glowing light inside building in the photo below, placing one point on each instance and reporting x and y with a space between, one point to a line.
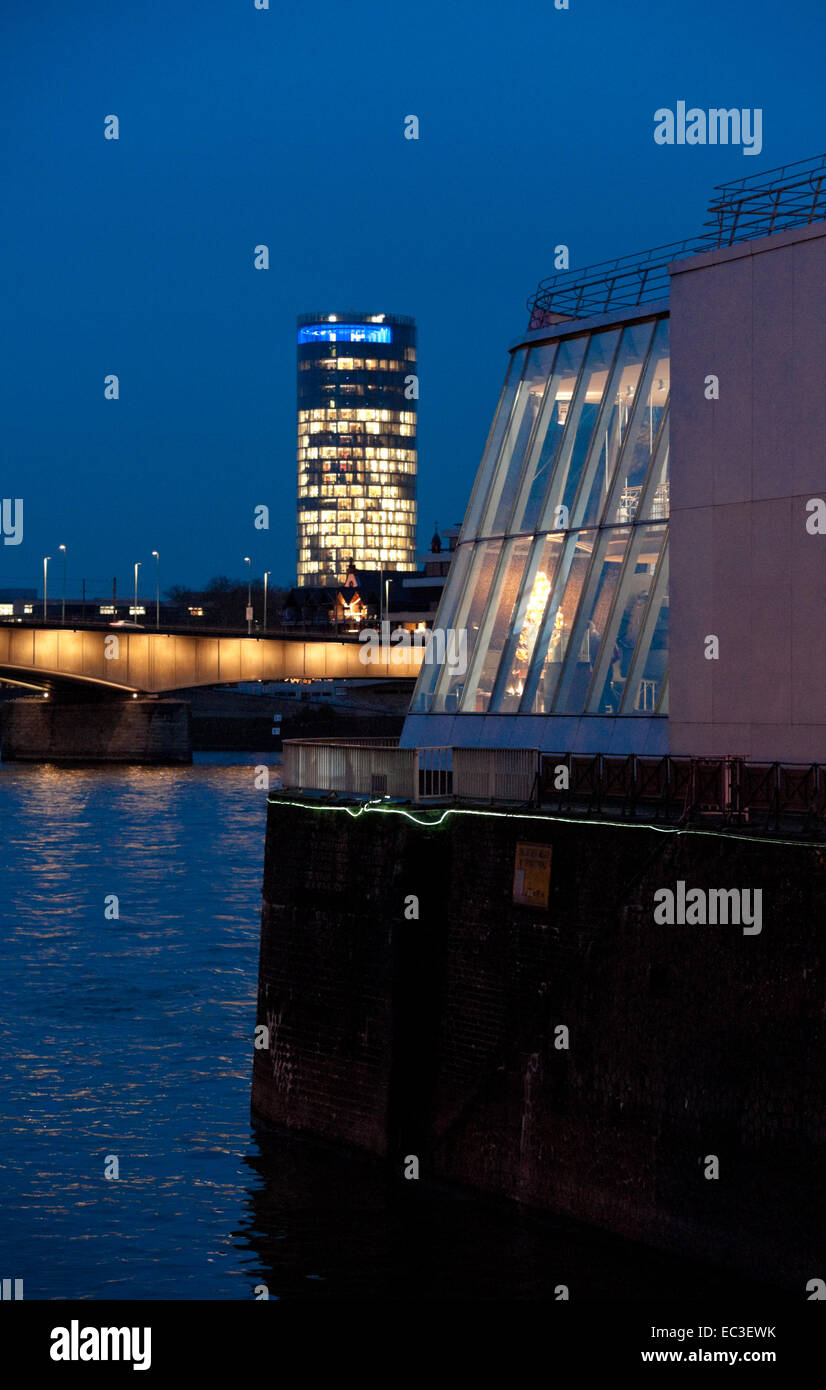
344 333
561 576
530 629
533 615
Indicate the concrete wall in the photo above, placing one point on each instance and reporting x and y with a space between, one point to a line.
116 731
437 1036
743 566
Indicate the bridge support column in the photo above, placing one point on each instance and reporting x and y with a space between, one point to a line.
106 731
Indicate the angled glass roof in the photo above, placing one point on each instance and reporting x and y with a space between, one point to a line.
559 582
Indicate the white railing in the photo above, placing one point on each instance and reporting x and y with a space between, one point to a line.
495 774
378 767
354 767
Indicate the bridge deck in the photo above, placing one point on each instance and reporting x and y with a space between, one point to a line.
156 662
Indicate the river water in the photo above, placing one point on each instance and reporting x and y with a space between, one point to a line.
129 1038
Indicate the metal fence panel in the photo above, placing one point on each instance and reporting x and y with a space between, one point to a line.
371 768
495 774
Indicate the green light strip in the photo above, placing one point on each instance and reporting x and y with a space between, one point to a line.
372 806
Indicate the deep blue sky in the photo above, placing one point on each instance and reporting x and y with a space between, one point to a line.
240 126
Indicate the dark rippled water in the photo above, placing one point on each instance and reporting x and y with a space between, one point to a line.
132 1038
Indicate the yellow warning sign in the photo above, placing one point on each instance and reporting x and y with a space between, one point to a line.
532 875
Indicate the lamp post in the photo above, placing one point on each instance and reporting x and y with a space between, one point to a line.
63 600
138 564
267 574
157 559
248 563
46 559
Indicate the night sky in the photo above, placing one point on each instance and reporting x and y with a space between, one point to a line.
285 127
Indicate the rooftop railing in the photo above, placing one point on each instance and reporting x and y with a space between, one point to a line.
792 195
759 205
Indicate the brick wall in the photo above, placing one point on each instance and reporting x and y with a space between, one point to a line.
116 731
437 1036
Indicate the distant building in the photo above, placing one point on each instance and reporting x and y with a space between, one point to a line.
15 602
414 598
369 596
357 457
16 605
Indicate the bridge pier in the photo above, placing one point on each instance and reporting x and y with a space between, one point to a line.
103 731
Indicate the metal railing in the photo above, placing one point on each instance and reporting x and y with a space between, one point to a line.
435 774
756 205
495 774
351 767
623 283
735 791
374 768
732 791
759 204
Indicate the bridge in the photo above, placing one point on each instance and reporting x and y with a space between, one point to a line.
121 662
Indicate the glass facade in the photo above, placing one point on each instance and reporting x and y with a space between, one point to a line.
560 579
357 457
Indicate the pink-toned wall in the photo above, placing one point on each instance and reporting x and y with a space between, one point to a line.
744 568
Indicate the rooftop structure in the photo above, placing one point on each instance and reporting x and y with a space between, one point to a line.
758 205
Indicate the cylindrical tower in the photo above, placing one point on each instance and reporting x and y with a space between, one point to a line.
357 400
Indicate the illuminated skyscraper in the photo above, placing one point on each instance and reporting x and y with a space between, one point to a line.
357 399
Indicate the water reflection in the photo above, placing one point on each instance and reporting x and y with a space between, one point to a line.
128 1036
322 1225
131 1037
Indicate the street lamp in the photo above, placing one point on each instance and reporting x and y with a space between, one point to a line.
157 559
138 564
267 574
63 602
46 559
248 563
